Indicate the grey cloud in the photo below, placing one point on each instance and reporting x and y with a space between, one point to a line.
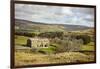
55 14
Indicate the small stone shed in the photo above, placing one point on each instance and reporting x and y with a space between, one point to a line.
38 42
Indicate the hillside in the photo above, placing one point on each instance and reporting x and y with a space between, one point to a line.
24 25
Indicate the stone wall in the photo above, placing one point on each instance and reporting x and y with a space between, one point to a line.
38 42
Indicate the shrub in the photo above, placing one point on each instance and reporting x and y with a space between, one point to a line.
26 34
69 44
86 39
74 45
51 34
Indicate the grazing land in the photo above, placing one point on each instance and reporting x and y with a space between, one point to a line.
68 43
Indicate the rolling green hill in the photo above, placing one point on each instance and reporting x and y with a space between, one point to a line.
29 26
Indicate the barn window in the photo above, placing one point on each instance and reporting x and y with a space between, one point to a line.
45 45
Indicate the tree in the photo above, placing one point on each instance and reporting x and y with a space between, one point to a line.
86 39
25 34
69 44
51 34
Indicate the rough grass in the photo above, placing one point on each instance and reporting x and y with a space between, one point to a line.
88 47
20 40
49 50
32 58
22 58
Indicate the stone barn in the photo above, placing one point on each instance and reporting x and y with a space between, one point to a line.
38 42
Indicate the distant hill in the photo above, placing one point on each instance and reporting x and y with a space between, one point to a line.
75 27
25 25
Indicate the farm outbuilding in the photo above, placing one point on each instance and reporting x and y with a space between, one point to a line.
38 42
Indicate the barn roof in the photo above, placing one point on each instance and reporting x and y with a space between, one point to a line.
37 38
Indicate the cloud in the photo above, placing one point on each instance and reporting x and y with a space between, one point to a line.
55 14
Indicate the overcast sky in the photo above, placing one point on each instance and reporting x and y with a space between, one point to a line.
55 14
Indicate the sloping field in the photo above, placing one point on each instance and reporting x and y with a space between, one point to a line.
22 58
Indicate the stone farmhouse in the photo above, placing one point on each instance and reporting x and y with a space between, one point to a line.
38 42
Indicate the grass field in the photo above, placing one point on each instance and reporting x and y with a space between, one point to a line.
20 40
88 47
44 56
22 58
